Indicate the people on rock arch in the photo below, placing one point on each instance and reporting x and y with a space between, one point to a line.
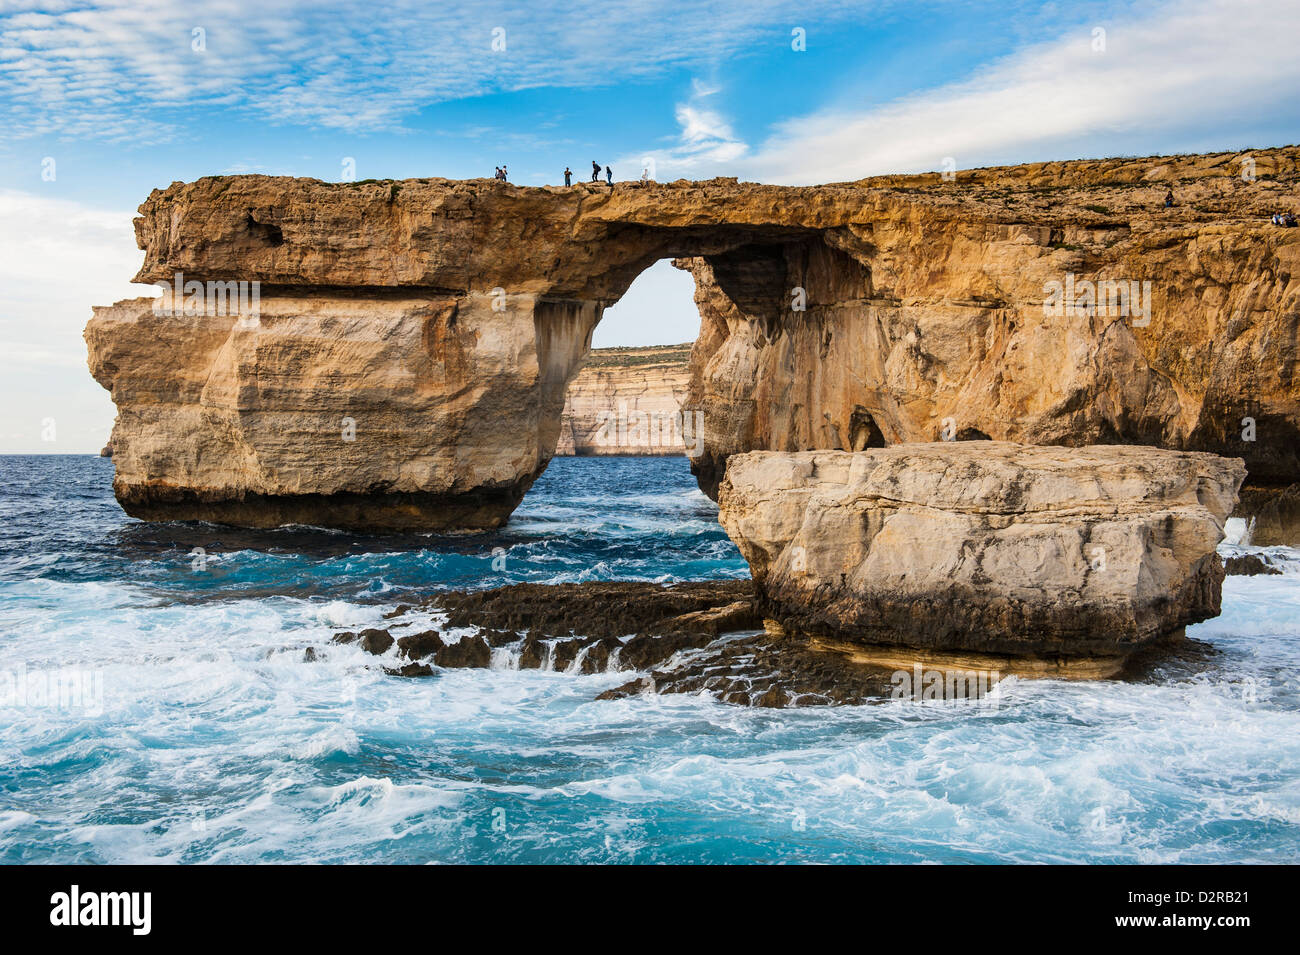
503 176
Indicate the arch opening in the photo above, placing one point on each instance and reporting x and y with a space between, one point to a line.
783 290
629 395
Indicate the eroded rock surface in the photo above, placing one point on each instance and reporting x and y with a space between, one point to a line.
1041 560
415 339
690 637
1249 565
584 628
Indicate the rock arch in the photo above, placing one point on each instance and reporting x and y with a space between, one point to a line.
446 318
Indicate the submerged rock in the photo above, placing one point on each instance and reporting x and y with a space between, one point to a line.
1043 561
1248 565
766 671
467 652
596 626
604 609
376 641
410 670
419 645
1272 515
587 628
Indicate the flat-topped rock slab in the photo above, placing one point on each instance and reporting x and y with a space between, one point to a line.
1043 560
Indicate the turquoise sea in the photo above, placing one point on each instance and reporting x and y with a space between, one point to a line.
156 706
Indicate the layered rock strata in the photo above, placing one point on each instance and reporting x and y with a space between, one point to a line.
412 342
582 628
1045 561
630 401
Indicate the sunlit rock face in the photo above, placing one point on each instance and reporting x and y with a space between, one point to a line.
630 401
384 410
415 340
1056 561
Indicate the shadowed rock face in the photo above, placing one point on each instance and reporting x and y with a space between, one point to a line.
445 320
1073 558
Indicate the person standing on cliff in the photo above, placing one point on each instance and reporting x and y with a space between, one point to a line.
609 177
568 176
595 171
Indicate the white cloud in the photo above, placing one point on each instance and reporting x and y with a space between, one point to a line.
57 258
48 242
705 140
1194 72
702 125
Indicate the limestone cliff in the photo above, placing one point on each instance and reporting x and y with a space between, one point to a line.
414 340
629 401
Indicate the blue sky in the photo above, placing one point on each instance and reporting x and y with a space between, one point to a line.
120 98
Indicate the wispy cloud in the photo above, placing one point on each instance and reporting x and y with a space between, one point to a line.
60 257
705 139
129 69
56 242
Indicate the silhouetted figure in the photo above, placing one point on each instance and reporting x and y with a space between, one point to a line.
595 171
568 176
497 174
609 176
505 176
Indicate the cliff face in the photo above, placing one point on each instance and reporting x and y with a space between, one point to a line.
413 342
629 401
360 411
